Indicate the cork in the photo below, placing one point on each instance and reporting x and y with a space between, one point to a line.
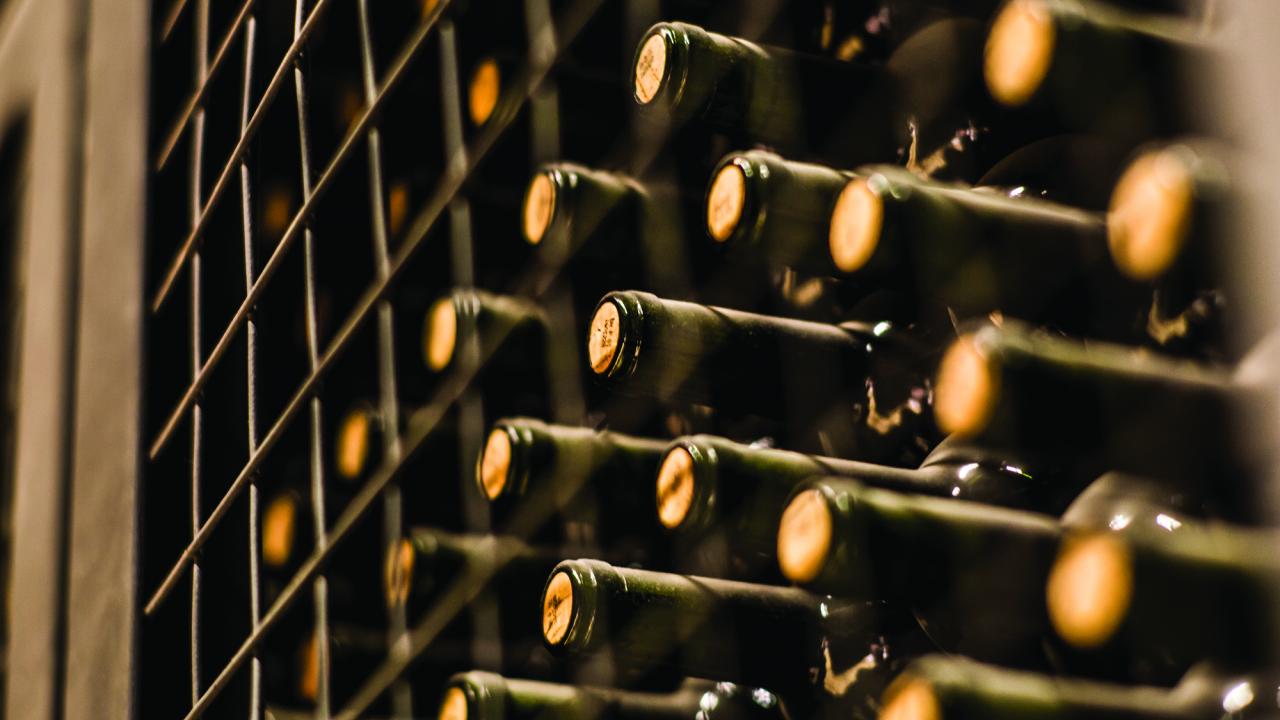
1019 51
454 705
482 93
967 389
1150 214
675 487
309 669
354 436
603 338
557 608
725 200
279 526
397 206
651 68
856 221
539 207
495 463
1089 589
910 698
440 336
804 537
398 574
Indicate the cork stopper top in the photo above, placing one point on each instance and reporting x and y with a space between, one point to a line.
603 338
910 698
1150 214
398 573
279 525
454 705
495 463
725 200
354 437
675 487
651 68
1019 51
539 207
557 608
1089 589
856 222
967 389
804 537
440 336
309 669
482 93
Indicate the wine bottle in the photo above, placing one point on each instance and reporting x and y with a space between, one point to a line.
1132 503
566 204
426 563
708 484
981 250
488 696
604 230
1148 605
1085 66
758 94
1103 407
1167 211
777 209
971 572
748 364
938 687
509 336
427 568
597 480
783 639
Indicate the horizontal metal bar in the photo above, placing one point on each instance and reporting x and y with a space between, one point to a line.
237 154
197 99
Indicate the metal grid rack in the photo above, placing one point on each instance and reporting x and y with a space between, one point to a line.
294 245
211 308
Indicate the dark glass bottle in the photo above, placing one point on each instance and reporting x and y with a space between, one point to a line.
501 339
981 250
760 204
597 481
858 383
801 646
1086 66
1147 605
1104 407
486 696
949 688
758 94
431 571
709 486
971 573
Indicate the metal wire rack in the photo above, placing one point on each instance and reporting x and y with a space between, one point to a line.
202 576
294 245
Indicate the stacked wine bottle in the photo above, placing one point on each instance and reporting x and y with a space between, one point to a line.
919 397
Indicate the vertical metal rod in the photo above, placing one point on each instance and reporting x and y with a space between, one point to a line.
392 513
470 409
313 355
251 382
197 420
